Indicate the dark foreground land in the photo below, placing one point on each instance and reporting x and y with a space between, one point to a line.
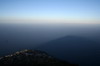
32 58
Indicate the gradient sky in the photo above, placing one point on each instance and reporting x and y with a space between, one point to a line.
54 10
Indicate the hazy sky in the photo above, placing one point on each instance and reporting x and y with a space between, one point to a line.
51 10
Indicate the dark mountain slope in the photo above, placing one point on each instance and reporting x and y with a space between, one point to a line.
73 48
32 58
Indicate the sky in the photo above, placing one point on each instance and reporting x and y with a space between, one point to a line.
68 11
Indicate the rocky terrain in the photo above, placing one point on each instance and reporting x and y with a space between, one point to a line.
32 58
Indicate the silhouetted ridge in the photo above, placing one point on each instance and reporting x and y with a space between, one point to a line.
69 42
32 58
72 48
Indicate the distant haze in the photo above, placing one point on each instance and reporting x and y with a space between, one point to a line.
35 34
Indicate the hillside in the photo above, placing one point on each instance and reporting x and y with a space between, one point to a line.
74 49
32 58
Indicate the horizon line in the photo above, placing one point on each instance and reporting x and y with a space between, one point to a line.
76 21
